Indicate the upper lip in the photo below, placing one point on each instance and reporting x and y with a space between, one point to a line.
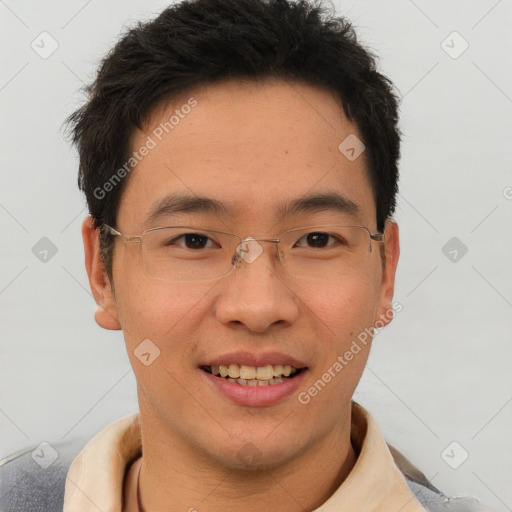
254 359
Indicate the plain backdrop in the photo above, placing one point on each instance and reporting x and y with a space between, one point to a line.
439 374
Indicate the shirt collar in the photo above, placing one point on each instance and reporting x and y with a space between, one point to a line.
375 484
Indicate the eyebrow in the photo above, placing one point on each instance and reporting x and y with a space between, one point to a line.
310 203
322 202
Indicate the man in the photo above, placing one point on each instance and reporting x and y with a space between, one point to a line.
239 160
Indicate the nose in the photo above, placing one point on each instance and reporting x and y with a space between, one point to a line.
255 294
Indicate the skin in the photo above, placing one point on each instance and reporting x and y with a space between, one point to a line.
249 146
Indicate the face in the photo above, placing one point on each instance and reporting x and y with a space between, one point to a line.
252 148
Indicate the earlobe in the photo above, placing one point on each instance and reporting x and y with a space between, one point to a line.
392 254
106 315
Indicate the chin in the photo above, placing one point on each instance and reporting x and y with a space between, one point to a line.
258 453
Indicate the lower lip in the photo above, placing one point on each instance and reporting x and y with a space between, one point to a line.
255 396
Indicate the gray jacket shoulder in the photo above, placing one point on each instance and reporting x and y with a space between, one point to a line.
33 479
437 502
429 496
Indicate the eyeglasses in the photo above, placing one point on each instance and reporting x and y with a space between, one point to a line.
191 253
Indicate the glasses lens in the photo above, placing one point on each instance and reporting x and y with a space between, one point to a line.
326 252
187 253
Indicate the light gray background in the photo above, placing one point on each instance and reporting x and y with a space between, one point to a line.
440 373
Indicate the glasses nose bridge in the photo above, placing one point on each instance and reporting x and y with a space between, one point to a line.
252 239
245 253
275 241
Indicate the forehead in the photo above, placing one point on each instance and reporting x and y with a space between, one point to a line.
253 147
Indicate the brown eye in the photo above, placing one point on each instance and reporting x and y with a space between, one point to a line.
316 240
191 241
194 241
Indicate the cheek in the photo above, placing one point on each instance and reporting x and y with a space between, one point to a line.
343 314
159 311
347 306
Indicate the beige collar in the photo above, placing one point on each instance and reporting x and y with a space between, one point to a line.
95 480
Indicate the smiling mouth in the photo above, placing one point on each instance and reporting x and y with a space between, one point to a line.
244 375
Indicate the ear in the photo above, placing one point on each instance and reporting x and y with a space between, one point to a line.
106 312
391 255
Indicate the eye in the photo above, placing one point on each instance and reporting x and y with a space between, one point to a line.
318 240
192 241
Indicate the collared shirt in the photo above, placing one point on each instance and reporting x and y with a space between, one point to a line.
96 477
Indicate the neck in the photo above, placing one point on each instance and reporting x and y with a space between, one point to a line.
190 482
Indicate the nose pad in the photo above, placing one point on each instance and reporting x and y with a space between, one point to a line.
249 250
236 260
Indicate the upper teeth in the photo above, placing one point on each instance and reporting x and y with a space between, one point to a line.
235 371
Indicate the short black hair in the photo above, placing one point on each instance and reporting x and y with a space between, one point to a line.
199 42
